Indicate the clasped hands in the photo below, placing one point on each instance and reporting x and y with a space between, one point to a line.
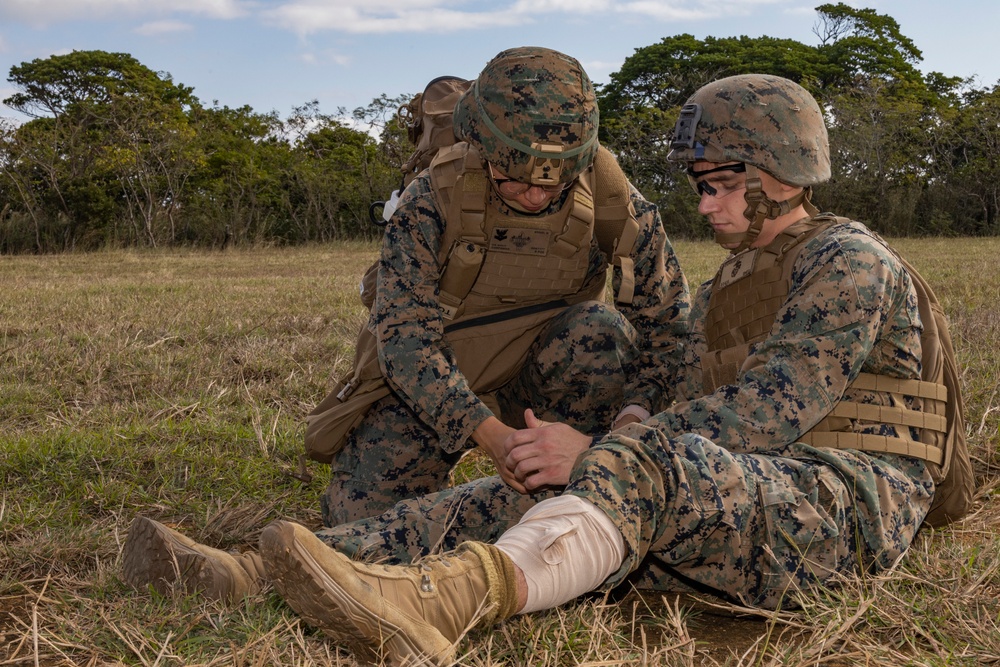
541 455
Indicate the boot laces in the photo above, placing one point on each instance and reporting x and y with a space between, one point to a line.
427 566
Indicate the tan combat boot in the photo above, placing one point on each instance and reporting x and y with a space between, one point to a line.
157 556
408 614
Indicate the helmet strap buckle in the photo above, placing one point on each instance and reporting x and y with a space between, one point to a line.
757 210
760 207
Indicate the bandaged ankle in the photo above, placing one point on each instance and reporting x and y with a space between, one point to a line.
501 581
565 547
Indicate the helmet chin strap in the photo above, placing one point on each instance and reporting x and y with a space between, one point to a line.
759 208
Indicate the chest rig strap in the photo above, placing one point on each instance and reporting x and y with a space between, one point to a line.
616 225
463 245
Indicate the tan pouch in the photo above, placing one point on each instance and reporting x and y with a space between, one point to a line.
330 422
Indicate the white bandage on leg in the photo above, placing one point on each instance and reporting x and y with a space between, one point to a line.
565 547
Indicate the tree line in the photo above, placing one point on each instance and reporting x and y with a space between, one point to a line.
116 154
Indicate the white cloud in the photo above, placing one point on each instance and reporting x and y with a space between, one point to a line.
305 17
694 10
162 27
567 6
668 11
598 70
387 16
55 11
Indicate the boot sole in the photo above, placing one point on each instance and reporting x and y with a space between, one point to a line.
153 557
333 607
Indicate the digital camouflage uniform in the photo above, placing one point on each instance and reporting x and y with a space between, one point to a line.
719 490
590 361
532 114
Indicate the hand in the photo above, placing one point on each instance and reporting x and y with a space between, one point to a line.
491 436
544 454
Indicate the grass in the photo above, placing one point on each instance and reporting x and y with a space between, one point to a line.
173 384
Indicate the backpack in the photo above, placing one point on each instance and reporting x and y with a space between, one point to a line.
953 494
427 119
955 480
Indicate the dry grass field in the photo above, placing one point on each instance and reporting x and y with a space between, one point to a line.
174 384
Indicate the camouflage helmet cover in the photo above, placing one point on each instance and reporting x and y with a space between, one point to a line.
758 119
532 113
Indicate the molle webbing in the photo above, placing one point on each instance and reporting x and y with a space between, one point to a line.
510 279
579 221
463 246
479 278
934 397
462 190
477 275
747 310
448 167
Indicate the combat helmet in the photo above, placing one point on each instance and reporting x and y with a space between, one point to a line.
532 113
764 122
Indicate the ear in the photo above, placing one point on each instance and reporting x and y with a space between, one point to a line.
783 190
786 189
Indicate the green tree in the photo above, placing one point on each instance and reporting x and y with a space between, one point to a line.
79 80
102 157
234 195
886 119
863 43
334 176
665 74
971 156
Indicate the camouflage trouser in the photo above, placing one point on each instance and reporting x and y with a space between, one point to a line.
752 527
749 527
574 373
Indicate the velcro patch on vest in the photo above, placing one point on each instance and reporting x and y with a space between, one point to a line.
737 267
520 241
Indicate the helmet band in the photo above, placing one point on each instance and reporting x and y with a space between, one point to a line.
524 148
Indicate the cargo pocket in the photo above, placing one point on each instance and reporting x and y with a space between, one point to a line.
805 545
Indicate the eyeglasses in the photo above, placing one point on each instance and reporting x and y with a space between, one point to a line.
718 189
510 187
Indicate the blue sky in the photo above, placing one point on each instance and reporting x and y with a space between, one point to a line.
276 54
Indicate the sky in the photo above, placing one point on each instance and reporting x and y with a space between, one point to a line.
274 55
